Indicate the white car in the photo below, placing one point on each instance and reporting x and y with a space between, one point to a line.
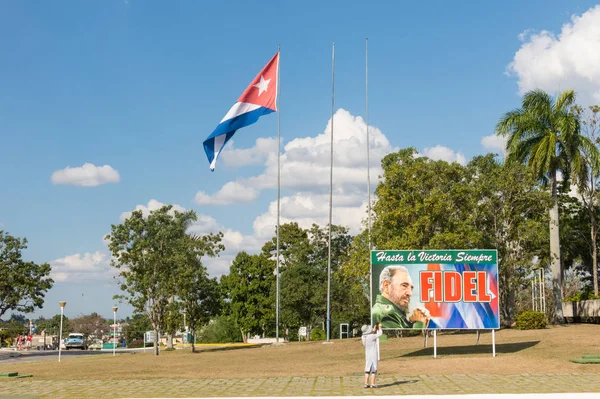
75 340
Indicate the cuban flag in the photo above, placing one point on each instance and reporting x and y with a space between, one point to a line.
260 98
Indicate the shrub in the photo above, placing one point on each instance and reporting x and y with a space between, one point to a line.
316 334
581 296
219 330
139 343
531 320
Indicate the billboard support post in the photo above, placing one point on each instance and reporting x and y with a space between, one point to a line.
434 344
493 343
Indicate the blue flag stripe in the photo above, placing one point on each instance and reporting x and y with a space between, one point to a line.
229 127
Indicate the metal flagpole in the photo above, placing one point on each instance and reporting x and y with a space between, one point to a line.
278 191
330 192
369 176
368 142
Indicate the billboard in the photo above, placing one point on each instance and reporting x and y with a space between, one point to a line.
435 289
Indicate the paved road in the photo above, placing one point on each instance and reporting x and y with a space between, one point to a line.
35 355
455 384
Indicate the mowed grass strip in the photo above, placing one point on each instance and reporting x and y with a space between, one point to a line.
518 352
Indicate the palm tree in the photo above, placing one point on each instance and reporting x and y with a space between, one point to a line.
545 135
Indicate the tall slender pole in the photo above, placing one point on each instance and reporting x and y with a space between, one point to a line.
114 330
369 174
330 194
278 194
368 141
540 291
544 290
533 292
62 311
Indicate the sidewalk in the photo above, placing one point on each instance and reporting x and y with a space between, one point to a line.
304 386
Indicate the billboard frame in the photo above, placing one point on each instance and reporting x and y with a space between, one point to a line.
443 256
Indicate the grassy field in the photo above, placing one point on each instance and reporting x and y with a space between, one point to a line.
518 352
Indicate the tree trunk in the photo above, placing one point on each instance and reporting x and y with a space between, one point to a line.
170 334
594 232
555 258
244 338
507 300
193 339
156 341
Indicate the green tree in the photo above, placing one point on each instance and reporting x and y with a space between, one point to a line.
303 296
511 213
52 326
23 285
92 325
199 296
588 179
341 240
424 204
294 245
221 329
9 330
354 277
135 327
249 289
149 252
303 274
545 135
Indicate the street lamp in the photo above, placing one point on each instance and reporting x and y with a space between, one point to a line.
115 330
62 311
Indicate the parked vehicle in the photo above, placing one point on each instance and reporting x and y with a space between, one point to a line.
75 341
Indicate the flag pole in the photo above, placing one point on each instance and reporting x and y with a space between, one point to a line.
330 194
368 141
278 191
368 169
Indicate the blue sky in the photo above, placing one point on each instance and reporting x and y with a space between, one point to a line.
132 88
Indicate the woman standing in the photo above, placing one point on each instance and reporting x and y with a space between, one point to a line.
370 340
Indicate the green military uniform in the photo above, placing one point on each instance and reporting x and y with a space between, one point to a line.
390 315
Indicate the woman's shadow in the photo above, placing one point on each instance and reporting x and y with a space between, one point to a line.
391 384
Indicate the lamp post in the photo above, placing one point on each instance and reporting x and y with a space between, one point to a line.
115 330
62 311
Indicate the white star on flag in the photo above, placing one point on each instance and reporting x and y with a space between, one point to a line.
263 85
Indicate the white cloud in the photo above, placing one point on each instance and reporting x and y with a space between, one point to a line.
305 163
234 241
441 153
230 193
86 267
236 157
307 208
305 180
570 60
87 175
495 143
152 206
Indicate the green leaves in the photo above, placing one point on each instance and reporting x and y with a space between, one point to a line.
23 285
249 288
423 204
158 260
